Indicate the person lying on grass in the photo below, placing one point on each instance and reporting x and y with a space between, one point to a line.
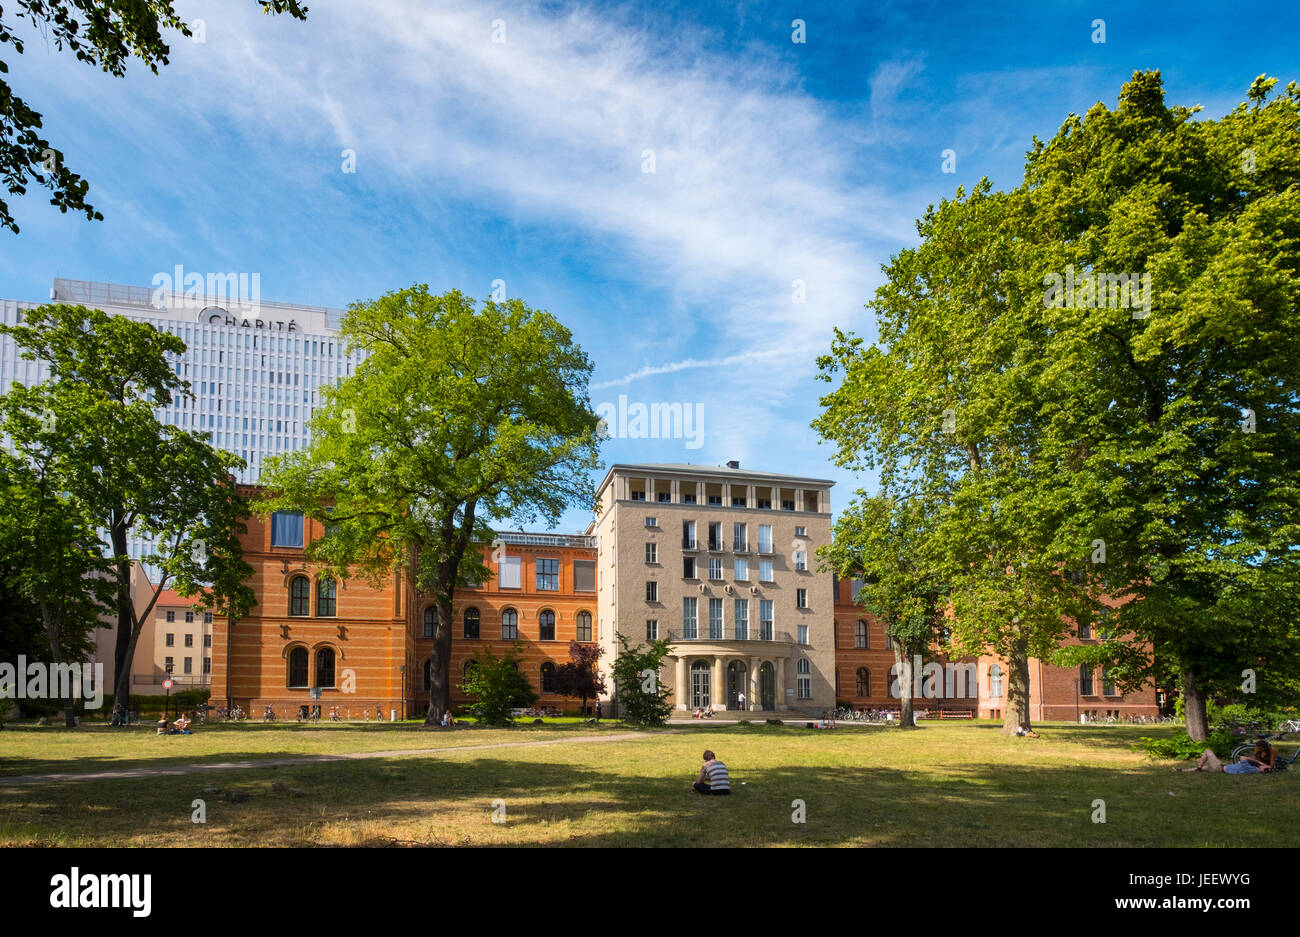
1260 761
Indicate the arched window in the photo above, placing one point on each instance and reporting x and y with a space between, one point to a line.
548 677
995 682
803 666
300 596
431 621
298 668
325 667
584 626
546 626
864 682
509 625
326 603
860 634
469 665
471 623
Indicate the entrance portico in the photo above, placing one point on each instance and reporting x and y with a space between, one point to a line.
716 676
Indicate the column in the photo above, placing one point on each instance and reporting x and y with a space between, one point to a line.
780 684
680 691
719 690
798 499
752 692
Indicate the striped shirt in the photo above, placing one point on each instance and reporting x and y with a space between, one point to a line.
716 772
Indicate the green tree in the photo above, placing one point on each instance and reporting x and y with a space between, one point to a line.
103 33
497 685
579 677
57 567
887 543
456 418
940 406
1184 406
641 694
123 471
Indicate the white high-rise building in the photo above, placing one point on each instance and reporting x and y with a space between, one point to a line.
255 368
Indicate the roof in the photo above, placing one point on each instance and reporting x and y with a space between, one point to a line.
720 471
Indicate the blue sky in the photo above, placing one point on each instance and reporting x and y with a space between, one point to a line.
523 161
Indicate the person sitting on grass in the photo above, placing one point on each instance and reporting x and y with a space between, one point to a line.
447 721
183 725
713 777
699 713
1026 731
164 727
1258 762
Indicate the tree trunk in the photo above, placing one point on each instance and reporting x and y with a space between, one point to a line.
906 686
1017 713
124 648
1198 728
440 668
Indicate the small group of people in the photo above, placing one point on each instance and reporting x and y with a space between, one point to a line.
180 727
1026 732
704 712
448 721
1262 759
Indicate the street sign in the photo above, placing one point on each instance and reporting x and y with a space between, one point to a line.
315 692
167 684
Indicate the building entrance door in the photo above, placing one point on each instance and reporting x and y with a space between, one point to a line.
737 677
701 697
767 685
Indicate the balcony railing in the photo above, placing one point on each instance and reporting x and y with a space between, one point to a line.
690 544
732 634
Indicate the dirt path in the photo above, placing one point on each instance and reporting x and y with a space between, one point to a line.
198 767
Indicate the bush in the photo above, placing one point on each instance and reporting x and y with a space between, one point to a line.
642 698
1181 747
181 701
498 686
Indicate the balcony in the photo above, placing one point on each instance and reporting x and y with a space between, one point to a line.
763 634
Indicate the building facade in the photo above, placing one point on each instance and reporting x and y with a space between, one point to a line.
719 562
255 368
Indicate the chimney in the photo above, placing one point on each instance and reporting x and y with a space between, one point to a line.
733 464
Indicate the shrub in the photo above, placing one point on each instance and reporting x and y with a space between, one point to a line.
642 697
1180 746
498 686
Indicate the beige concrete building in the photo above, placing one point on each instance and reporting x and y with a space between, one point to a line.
720 562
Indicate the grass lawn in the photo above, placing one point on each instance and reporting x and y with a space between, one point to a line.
941 785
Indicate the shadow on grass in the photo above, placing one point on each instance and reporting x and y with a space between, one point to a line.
437 801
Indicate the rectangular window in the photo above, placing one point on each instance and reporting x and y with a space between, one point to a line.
652 591
688 567
651 522
688 499
548 575
765 504
510 572
690 619
207 618
189 665
805 687
800 560
715 536
1107 684
1085 632
665 497
715 568
170 640
715 499
207 640
171 616
737 502
765 619
800 598
189 640
787 505
740 537
652 629
584 575
715 619
189 617
765 571
1085 680
584 626
740 569
207 665
168 664
638 496
764 538
652 553
742 619
800 531
803 634
286 529
688 535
